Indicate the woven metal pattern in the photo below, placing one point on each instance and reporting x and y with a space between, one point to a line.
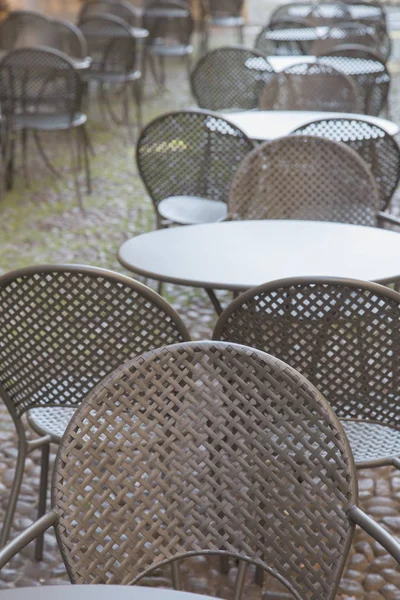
223 8
190 153
329 13
371 74
304 177
169 23
111 45
63 328
346 33
230 78
378 148
205 447
40 82
52 420
372 441
312 86
121 9
287 47
342 335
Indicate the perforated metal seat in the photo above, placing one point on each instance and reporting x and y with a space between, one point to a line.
373 444
63 328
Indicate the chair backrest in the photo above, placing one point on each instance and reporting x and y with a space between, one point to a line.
341 334
346 33
304 177
65 327
288 47
205 448
290 10
116 8
168 22
329 13
69 39
111 44
311 86
378 148
230 78
39 81
194 153
224 8
25 28
367 69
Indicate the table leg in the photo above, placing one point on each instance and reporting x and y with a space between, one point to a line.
214 300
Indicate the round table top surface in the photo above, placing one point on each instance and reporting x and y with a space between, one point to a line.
96 592
262 125
356 11
350 66
237 255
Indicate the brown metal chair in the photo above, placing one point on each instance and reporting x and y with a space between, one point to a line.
205 448
311 86
230 78
304 177
63 329
221 13
187 160
117 8
287 47
343 335
346 33
378 149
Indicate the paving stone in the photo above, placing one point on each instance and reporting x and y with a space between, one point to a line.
373 582
390 592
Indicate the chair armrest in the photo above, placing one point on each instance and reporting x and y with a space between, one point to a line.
23 539
376 531
388 218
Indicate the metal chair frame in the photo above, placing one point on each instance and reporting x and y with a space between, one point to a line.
221 13
283 48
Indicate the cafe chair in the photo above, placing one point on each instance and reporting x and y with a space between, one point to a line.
376 147
343 335
346 33
270 44
187 160
116 8
305 177
311 86
206 448
63 329
230 78
329 13
224 14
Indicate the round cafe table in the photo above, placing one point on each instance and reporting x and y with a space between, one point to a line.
237 255
263 125
96 592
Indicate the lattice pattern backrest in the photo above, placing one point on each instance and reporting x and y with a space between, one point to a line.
224 8
328 13
304 177
190 153
343 336
23 29
377 147
110 44
69 39
346 33
64 329
39 81
289 10
312 86
370 73
168 22
287 47
123 10
205 446
230 78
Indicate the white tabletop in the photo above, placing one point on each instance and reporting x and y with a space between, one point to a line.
96 592
262 125
238 255
351 66
356 11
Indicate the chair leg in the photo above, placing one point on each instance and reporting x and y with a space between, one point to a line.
74 168
161 61
24 142
12 501
241 35
86 148
44 475
224 564
160 288
137 91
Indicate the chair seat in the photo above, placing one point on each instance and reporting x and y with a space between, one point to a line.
48 122
226 21
372 442
51 420
192 210
172 50
105 77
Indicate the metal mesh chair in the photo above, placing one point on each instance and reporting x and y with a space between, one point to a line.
367 70
170 25
342 335
346 33
24 28
312 86
64 328
114 65
289 10
239 455
187 160
230 78
329 13
272 47
117 8
378 149
40 90
304 177
222 13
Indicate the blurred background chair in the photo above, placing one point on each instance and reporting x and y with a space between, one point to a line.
187 160
221 13
274 473
122 9
378 149
63 329
230 78
329 13
311 86
304 177
346 33
271 46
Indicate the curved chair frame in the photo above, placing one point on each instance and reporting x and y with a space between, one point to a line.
195 448
271 47
318 323
221 13
117 8
63 328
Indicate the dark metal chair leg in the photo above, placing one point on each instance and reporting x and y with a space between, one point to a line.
86 147
241 35
44 475
259 576
12 501
74 168
24 142
138 93
224 564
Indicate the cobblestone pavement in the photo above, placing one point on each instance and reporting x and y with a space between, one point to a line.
42 224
